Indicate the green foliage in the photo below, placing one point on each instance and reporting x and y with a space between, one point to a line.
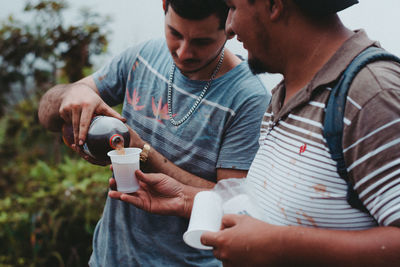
49 218
50 198
48 206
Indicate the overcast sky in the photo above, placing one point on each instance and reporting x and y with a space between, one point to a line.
136 20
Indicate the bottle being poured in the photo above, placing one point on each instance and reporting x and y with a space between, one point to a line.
104 134
118 143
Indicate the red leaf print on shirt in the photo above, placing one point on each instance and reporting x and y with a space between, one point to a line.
135 65
133 70
134 100
303 149
160 111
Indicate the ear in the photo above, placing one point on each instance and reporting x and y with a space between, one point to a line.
275 8
163 4
230 35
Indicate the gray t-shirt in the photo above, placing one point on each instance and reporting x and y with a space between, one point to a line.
222 133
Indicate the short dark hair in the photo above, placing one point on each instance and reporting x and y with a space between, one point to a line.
199 9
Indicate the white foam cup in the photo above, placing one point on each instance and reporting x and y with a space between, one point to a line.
124 167
206 216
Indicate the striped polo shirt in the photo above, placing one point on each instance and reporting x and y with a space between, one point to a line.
293 176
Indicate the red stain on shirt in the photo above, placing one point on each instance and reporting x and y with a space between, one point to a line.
303 149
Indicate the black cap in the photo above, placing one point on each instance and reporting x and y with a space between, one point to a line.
324 7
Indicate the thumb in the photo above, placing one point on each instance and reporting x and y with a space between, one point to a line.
209 238
229 220
146 178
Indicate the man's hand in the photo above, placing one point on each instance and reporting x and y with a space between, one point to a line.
79 103
159 194
242 241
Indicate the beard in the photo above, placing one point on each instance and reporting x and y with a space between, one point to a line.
257 66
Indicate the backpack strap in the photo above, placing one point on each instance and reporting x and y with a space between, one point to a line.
334 114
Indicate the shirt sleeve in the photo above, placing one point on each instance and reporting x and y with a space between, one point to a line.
240 143
111 79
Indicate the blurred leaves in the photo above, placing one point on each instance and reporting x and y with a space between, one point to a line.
49 219
50 199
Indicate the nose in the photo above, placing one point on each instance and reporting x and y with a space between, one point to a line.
184 51
230 33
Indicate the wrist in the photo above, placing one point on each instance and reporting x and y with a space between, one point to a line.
189 193
144 155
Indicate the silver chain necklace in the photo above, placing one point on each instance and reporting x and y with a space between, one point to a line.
199 98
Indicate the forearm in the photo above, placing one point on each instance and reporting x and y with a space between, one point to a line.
321 247
158 163
49 107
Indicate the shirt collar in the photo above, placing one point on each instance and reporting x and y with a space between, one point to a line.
334 68
328 74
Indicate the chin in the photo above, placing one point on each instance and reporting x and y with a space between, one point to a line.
189 69
257 66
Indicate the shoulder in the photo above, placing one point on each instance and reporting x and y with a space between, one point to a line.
373 100
376 80
145 49
242 81
244 91
153 53
153 48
